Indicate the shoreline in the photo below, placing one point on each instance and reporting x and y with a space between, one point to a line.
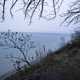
7 74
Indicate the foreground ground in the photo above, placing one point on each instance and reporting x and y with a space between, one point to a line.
63 64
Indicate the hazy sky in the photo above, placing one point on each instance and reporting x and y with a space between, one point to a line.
38 25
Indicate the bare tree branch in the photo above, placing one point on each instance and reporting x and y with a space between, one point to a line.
54 8
42 7
3 15
29 7
20 41
73 14
12 7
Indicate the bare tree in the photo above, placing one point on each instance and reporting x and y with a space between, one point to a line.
29 7
20 41
73 14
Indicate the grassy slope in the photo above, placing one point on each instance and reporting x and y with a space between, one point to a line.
63 64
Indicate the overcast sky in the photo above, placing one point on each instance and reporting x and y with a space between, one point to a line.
38 25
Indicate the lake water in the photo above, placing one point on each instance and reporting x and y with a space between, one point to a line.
52 41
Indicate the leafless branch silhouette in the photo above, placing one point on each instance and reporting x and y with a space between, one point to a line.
73 14
19 41
29 7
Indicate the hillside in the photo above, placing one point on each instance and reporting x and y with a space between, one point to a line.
63 64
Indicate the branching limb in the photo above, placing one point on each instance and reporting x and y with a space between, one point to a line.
12 7
30 6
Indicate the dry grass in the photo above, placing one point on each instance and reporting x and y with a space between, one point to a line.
63 64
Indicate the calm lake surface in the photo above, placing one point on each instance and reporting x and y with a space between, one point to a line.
52 41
